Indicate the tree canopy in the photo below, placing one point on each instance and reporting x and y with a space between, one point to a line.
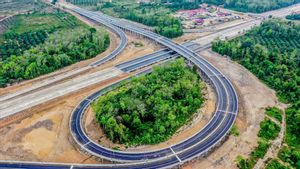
150 108
256 6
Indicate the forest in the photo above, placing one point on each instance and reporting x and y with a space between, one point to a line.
41 43
263 50
255 6
150 108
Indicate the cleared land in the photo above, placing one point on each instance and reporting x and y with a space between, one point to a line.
254 96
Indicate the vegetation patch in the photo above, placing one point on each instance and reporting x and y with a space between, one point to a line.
150 108
275 113
278 66
235 131
156 15
275 164
290 155
257 153
271 60
291 152
268 131
10 7
294 16
30 30
256 6
42 42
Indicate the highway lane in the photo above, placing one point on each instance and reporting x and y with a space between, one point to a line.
155 57
211 134
210 71
6 99
118 50
230 116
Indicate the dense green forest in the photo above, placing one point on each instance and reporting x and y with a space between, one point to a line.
256 6
271 51
41 43
149 109
264 51
294 16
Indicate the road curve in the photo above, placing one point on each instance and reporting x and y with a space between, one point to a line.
120 47
216 129
197 145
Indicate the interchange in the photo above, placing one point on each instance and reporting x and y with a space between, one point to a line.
197 145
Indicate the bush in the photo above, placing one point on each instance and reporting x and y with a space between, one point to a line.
234 131
275 113
268 129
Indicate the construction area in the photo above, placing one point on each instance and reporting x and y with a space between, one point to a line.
39 110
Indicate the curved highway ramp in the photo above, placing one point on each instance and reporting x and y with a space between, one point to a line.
197 145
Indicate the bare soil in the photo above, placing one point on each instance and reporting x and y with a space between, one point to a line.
254 96
190 36
45 135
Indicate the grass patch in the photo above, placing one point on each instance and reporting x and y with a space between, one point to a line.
234 131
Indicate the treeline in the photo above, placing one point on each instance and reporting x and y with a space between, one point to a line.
278 68
167 26
180 4
62 48
149 109
256 6
294 16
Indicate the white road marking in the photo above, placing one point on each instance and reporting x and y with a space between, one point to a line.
175 155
